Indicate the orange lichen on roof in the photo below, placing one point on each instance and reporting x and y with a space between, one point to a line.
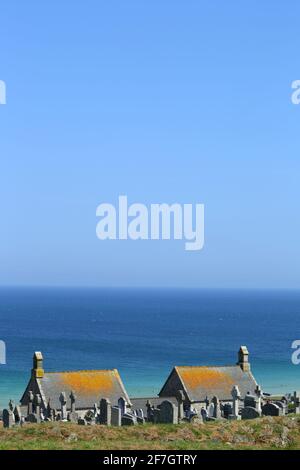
194 377
89 382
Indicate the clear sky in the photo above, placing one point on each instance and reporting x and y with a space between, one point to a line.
161 100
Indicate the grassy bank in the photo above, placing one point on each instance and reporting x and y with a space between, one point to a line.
264 433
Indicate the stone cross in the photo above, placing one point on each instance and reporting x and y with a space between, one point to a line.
11 405
73 400
63 406
49 410
206 401
236 396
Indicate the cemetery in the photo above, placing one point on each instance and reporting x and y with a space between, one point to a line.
197 395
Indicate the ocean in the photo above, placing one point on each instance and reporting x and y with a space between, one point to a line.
145 332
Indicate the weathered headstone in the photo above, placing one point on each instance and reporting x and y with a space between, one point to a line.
116 416
156 415
204 414
296 401
217 409
90 418
206 401
37 406
180 398
17 414
63 406
122 404
259 395
105 411
168 413
249 412
82 422
236 396
128 420
30 402
150 416
227 410
33 418
270 409
49 410
211 410
250 400
73 416
8 418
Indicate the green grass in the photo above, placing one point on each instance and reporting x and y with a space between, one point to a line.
263 433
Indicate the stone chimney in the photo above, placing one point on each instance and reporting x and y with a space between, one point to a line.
243 359
37 370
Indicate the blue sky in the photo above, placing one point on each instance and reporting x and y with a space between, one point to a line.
164 101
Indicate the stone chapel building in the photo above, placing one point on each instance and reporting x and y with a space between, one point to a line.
88 386
195 384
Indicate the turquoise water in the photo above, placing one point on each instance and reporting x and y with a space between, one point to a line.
144 333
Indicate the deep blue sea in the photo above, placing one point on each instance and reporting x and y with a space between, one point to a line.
144 333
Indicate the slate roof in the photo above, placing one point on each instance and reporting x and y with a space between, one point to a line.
205 381
89 387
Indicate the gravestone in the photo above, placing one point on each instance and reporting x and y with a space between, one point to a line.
259 395
63 406
18 415
8 418
168 413
282 407
204 414
227 410
105 411
180 398
90 418
249 412
236 396
210 410
156 415
216 409
49 410
30 403
206 401
140 416
116 416
122 404
250 400
33 418
150 415
37 407
128 420
73 416
270 409
296 401
82 422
